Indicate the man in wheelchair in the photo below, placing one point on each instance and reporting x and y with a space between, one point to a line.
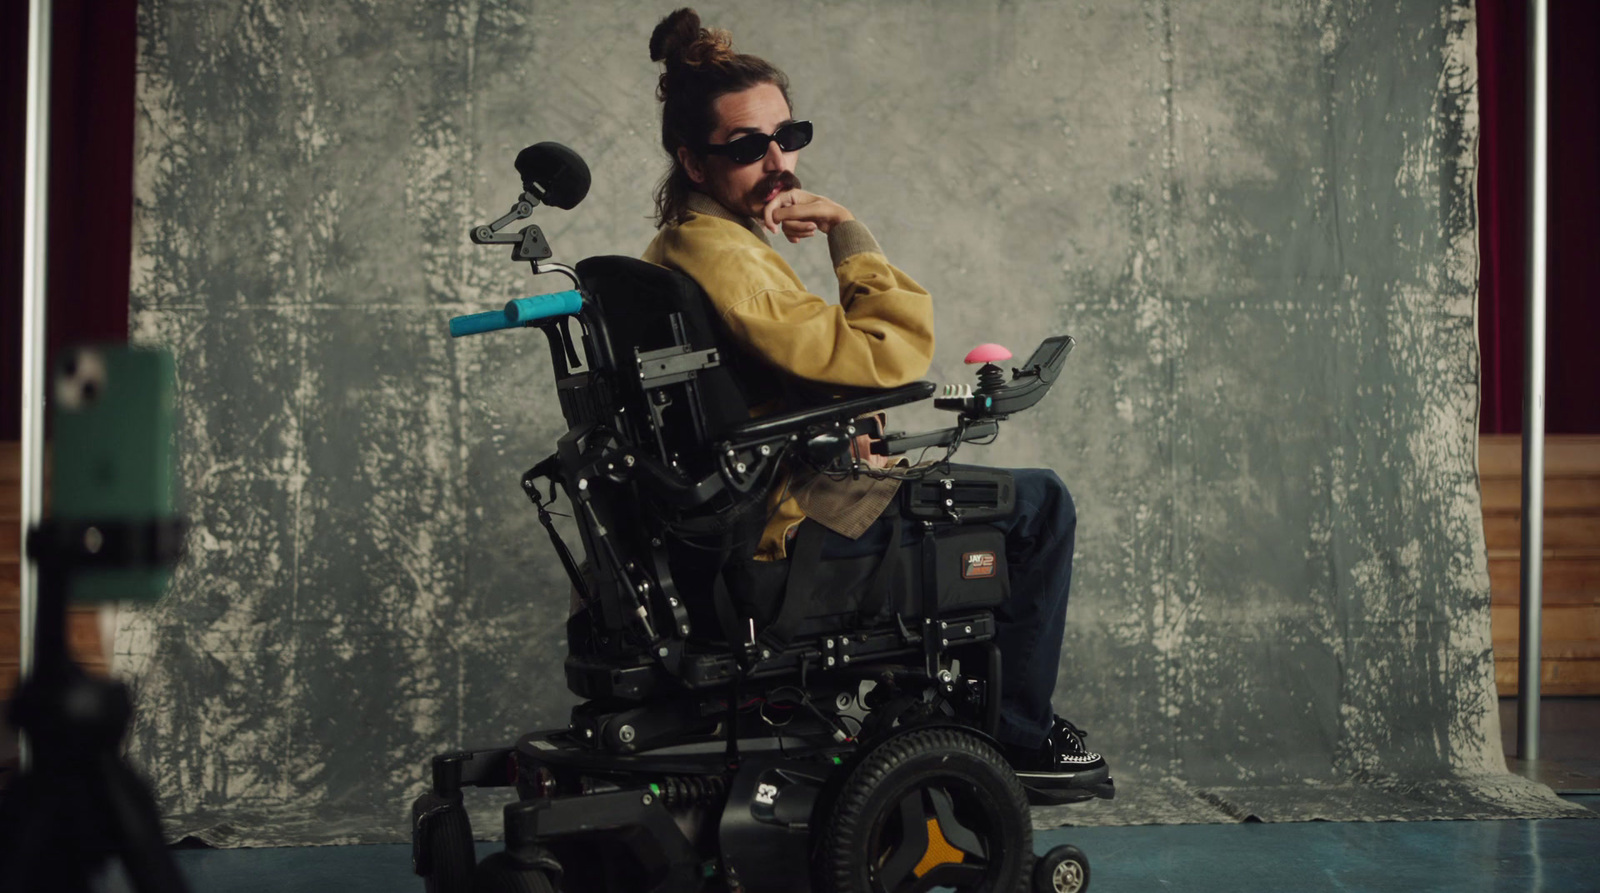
788 640
729 129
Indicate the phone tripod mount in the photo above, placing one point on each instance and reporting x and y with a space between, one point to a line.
79 805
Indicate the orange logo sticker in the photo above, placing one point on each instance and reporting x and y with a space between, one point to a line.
977 564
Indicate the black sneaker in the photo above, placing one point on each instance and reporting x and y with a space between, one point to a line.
1062 769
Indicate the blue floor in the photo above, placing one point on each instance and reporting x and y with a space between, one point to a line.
1551 855
1554 856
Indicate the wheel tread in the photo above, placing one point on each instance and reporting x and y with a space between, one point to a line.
450 846
500 873
846 821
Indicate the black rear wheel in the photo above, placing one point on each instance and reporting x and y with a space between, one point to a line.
928 809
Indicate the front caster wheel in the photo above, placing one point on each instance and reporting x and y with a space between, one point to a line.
1065 869
501 873
447 857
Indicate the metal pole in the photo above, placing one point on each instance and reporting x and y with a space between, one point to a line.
35 198
1533 395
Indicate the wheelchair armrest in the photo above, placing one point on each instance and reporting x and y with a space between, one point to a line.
896 444
789 422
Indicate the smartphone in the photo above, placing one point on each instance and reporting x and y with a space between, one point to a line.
112 455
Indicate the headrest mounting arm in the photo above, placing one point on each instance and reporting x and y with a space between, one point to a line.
490 234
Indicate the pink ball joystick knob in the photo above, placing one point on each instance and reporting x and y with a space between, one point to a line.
988 353
990 377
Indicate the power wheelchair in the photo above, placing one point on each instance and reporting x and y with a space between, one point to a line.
762 725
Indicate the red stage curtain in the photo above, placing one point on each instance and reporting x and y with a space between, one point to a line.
1572 364
1574 359
91 180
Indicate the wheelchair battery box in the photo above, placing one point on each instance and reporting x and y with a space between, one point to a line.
968 569
960 493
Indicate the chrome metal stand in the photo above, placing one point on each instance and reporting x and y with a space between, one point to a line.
1533 395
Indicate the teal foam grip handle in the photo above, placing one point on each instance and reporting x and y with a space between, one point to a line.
476 323
526 310
517 312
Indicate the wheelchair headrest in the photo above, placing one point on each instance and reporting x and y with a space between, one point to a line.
554 173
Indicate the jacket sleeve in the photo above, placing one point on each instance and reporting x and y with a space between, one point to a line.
879 335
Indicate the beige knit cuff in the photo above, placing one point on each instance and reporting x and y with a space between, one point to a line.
849 239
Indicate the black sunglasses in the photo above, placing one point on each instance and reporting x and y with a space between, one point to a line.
750 148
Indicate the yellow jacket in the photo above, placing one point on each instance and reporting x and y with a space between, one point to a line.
879 335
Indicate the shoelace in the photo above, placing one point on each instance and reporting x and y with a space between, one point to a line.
1062 723
1078 749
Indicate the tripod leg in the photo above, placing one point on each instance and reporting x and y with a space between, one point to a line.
41 848
135 827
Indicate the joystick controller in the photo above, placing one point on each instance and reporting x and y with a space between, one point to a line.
977 401
996 397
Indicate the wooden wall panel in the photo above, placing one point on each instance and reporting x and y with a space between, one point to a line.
83 625
1570 644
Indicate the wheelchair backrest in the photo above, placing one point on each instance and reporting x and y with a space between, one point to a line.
658 389
683 384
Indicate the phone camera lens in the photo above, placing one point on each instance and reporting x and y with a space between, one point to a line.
81 380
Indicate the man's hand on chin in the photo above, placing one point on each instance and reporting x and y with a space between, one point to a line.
800 214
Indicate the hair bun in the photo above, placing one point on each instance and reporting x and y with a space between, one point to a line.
679 40
674 35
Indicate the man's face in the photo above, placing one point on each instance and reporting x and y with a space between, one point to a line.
745 188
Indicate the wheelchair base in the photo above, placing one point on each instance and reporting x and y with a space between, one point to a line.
664 820
677 818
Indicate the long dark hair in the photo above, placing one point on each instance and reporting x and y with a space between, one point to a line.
701 66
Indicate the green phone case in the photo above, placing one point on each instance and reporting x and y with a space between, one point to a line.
112 457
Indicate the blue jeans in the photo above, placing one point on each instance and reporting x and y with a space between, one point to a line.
1039 540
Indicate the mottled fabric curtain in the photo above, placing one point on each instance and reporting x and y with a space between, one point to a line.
1258 220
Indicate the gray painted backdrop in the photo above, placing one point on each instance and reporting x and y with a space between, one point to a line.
1256 217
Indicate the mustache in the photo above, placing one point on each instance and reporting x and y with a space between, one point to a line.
783 180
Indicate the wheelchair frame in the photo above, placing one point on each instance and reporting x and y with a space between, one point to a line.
666 770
